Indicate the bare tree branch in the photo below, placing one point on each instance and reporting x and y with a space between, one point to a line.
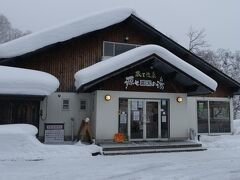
196 39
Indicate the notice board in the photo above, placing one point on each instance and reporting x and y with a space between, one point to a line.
54 133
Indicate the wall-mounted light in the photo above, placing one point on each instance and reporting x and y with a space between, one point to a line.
107 97
126 39
179 99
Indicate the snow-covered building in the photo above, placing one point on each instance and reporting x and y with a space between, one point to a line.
119 71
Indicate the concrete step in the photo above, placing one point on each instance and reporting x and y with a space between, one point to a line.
152 150
122 147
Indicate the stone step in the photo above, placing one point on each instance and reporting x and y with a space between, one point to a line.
122 147
153 150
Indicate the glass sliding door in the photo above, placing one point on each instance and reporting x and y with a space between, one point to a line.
202 116
144 119
136 119
152 120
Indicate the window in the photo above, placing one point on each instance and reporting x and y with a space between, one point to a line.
123 116
113 48
65 104
108 49
202 116
219 117
83 104
213 116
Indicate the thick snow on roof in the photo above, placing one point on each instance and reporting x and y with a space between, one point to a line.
112 64
19 81
63 32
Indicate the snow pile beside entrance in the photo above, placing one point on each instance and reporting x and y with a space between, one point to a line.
236 126
224 141
112 64
19 142
64 32
19 81
221 142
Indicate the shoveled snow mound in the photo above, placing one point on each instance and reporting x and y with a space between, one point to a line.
221 142
18 129
19 81
110 65
18 142
236 126
64 32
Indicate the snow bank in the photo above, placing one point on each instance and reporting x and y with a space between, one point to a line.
63 32
236 126
224 141
19 81
19 142
112 64
221 142
18 129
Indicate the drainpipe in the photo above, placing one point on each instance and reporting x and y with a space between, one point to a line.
72 123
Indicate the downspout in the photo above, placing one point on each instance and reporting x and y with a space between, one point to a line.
72 130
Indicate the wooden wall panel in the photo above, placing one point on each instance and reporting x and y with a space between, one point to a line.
63 60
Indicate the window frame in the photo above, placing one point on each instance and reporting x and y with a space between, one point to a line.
228 100
62 104
86 105
114 47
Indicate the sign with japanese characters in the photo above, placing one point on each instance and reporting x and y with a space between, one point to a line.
54 133
144 79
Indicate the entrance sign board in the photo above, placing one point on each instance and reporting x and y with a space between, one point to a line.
144 79
54 133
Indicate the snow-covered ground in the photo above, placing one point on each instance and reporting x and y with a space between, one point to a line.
23 157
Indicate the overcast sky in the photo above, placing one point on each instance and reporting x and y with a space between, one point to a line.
220 18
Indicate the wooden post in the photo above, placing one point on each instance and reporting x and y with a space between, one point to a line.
85 133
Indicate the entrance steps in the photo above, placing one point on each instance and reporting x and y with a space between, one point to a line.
149 147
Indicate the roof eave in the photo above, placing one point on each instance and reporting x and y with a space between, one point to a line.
158 33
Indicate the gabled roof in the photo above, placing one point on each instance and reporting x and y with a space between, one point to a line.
19 81
106 67
63 32
187 56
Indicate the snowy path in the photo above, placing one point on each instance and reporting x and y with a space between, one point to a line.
23 157
211 164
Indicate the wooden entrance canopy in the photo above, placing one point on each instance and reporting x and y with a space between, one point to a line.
176 75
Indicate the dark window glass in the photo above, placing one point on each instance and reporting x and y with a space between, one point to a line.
121 48
137 117
123 116
83 105
108 49
219 117
152 119
19 112
65 104
202 116
164 118
5 115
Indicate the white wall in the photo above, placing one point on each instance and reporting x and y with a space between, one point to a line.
104 114
107 112
55 114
